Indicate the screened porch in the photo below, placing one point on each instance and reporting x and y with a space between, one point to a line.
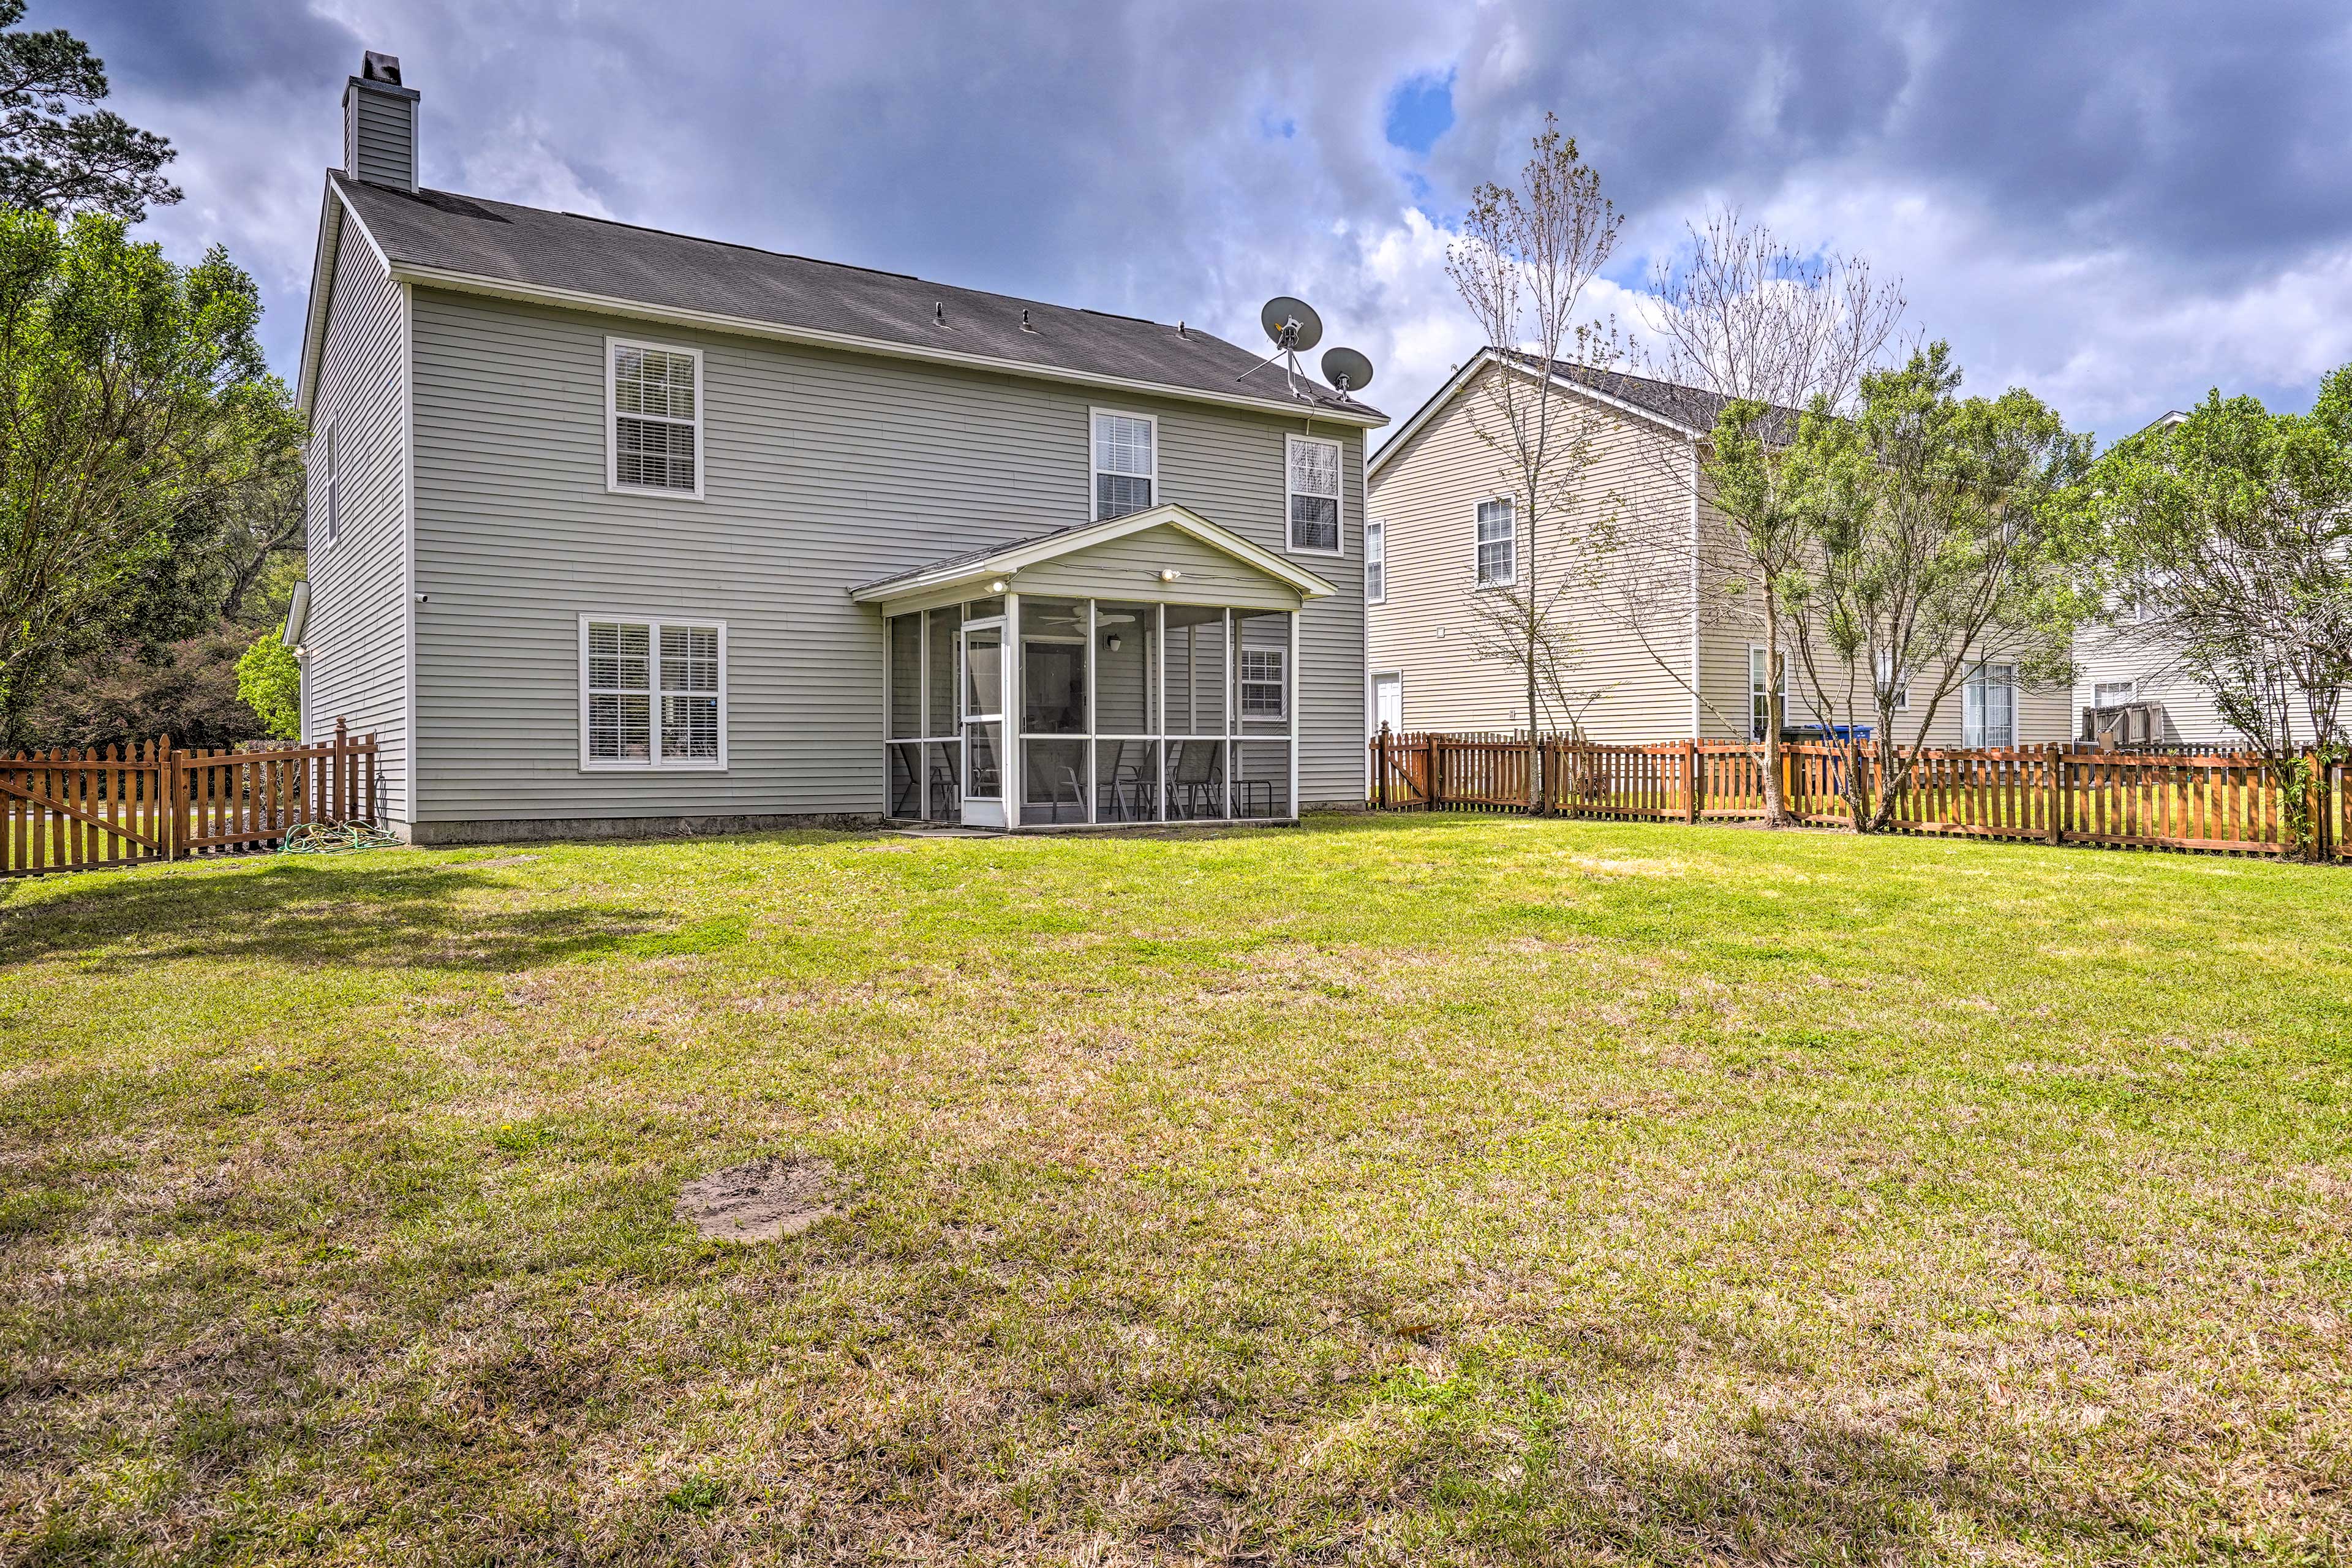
1143 701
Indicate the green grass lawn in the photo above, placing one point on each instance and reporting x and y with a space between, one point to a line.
1455 1190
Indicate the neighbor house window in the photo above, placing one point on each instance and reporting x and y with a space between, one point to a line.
330 485
654 417
1314 485
1889 680
1376 562
1759 691
1126 464
653 694
1498 544
1989 706
2114 693
1261 683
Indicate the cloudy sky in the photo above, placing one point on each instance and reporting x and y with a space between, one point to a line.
2117 206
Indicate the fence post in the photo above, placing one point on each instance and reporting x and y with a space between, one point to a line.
342 799
2314 828
1690 779
1380 772
2055 756
1435 793
167 805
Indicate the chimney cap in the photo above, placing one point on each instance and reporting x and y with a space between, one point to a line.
377 66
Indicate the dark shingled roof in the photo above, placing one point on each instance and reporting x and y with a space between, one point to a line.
1687 406
529 246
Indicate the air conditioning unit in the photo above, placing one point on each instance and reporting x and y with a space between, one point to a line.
2126 727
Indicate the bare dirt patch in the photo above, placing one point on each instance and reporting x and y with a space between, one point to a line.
761 1200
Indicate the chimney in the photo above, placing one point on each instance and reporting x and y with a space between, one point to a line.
380 124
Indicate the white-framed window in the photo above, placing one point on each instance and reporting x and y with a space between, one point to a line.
1760 701
1376 562
2114 693
1126 464
1498 544
1262 682
653 418
331 482
1888 678
652 693
1313 486
1989 706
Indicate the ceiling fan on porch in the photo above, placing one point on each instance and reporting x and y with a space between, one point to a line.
1294 328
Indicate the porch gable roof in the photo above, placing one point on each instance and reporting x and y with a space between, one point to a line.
1006 559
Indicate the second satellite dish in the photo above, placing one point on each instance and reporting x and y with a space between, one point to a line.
1291 324
1347 369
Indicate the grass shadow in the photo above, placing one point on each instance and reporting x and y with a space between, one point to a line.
318 915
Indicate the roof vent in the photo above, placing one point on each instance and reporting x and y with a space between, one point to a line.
1025 322
938 312
380 124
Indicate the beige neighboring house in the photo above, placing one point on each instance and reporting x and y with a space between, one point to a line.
1439 531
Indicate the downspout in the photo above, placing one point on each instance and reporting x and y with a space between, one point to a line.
1694 711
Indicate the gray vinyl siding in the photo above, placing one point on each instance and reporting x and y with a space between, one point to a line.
380 138
354 664
1130 568
822 471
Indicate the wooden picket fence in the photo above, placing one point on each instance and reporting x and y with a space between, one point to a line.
2224 802
79 811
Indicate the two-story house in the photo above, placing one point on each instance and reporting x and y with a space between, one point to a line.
1644 655
619 531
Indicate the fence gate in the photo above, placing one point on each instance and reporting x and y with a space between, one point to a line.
81 811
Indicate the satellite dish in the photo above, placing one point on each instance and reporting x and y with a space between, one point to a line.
1347 369
1291 324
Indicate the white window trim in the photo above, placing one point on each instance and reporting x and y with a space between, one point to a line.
653 623
1978 679
333 487
1376 528
1482 586
1281 684
613 484
1339 508
2130 692
1094 471
1902 688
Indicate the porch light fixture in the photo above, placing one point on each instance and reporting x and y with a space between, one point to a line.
1111 642
1169 573
997 586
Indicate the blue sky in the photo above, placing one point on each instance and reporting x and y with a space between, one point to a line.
2116 205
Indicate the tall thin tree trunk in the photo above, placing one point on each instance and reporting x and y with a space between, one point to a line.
1776 806
1542 801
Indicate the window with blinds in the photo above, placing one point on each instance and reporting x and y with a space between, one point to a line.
1376 562
1498 544
1126 463
653 694
656 418
1314 488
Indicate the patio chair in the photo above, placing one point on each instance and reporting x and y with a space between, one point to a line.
1193 778
943 790
1132 783
907 794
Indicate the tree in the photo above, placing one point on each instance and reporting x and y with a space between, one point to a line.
133 392
1521 264
2225 540
1771 330
1935 531
55 161
269 681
